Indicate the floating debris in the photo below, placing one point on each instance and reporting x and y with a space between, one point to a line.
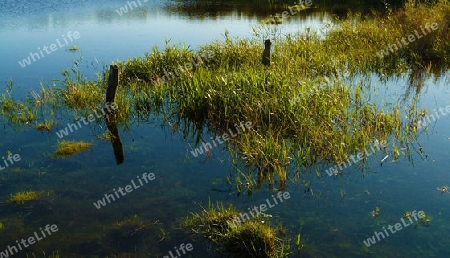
384 159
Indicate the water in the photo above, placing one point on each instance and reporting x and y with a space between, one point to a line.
332 213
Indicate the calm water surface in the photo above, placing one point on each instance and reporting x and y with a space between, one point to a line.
333 219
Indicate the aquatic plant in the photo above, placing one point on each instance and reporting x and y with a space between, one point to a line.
46 126
69 148
375 213
407 215
299 244
73 48
306 111
55 254
124 234
252 238
424 220
442 189
129 227
23 197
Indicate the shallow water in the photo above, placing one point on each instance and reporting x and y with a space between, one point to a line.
333 219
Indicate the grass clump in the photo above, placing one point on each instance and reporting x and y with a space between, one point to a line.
308 107
46 126
361 39
73 48
68 148
23 197
252 238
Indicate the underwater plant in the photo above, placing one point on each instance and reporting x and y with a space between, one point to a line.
23 197
68 148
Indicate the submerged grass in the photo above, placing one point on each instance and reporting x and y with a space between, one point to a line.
306 108
252 238
23 197
67 148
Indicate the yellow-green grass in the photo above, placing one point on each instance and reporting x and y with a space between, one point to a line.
23 197
303 109
46 126
73 48
69 148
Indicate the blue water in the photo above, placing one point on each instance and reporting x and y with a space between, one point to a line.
331 213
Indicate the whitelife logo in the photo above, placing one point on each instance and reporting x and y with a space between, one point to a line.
64 132
53 47
356 158
207 146
146 177
10 250
11 158
261 208
411 39
188 247
130 4
397 226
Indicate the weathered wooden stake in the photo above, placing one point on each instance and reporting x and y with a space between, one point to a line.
266 53
111 123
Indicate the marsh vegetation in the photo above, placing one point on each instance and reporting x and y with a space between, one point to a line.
305 107
252 238
311 108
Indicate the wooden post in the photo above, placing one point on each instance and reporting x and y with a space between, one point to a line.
266 53
113 81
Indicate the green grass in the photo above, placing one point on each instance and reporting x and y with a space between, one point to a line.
251 238
301 118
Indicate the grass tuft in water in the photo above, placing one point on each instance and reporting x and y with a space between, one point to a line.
46 126
23 197
68 148
73 48
251 238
